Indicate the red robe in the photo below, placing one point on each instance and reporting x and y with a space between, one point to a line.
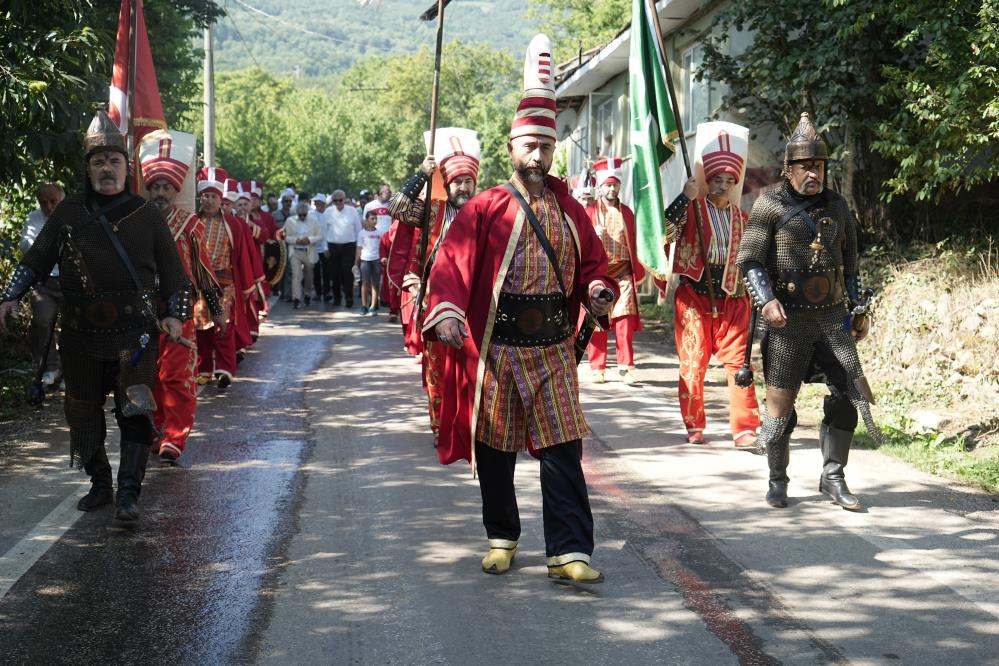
472 259
263 228
637 269
389 293
687 258
403 271
247 275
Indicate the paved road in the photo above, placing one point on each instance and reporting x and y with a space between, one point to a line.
309 523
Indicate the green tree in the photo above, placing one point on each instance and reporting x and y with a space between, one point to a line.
576 25
942 98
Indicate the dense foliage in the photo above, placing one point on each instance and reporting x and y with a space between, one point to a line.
579 25
368 127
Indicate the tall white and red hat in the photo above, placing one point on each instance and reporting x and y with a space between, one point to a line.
165 155
256 188
608 170
244 190
536 112
722 147
457 151
231 192
212 179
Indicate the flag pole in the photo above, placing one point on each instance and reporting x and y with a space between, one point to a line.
667 73
133 48
435 91
209 85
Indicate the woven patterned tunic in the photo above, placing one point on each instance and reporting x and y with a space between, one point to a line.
534 391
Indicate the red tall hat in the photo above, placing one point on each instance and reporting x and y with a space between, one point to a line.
212 179
536 112
256 188
723 160
244 189
457 151
608 170
166 156
231 190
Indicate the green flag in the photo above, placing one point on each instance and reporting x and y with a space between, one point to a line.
653 130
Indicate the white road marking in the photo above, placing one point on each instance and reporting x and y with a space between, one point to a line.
23 555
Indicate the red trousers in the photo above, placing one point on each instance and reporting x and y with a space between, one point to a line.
699 336
176 390
217 353
434 354
624 334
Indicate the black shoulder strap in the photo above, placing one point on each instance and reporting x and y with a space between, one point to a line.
802 209
120 249
536 225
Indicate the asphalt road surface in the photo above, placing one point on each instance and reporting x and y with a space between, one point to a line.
309 523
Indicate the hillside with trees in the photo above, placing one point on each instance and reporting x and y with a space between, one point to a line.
320 38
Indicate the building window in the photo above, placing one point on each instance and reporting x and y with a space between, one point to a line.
699 97
604 122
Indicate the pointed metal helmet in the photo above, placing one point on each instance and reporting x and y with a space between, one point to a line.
103 134
805 143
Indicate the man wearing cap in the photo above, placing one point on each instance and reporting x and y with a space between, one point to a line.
166 159
456 153
115 256
255 299
701 332
342 225
226 246
507 311
382 207
615 225
264 230
319 269
799 257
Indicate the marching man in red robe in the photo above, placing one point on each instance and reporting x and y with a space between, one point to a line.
456 154
701 333
615 225
225 244
518 263
166 158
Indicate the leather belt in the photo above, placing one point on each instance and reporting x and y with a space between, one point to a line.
531 320
716 271
810 289
105 312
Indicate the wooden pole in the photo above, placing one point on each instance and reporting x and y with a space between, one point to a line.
425 223
661 43
133 48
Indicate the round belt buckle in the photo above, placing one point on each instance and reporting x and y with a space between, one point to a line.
530 321
102 313
817 288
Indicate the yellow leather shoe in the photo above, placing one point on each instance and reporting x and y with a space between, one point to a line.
578 571
498 560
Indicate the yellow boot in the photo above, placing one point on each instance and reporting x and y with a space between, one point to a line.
498 560
577 571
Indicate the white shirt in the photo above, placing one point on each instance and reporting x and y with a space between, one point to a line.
342 226
309 227
384 216
369 241
32 227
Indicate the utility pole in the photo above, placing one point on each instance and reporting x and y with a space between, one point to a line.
209 100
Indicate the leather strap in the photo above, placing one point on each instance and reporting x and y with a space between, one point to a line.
540 232
800 209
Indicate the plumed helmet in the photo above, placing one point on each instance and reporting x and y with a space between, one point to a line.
102 135
805 143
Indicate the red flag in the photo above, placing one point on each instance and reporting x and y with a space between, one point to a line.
147 107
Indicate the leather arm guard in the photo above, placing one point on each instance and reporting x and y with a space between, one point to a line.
213 299
19 284
758 283
853 287
407 195
676 216
179 304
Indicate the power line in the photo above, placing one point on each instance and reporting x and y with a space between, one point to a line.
242 41
310 32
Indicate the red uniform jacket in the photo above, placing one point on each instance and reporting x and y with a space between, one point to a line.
637 269
471 261
687 258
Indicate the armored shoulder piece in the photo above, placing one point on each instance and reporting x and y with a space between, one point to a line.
19 284
179 306
402 203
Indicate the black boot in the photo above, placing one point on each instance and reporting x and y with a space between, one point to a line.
131 471
101 491
775 435
835 446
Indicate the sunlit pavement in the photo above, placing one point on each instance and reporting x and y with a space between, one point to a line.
309 523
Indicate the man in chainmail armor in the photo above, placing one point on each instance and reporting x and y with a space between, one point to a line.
111 246
799 259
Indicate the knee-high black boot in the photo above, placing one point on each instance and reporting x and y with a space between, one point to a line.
101 489
835 445
131 471
775 435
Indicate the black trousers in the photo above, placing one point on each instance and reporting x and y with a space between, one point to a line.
89 381
319 277
568 522
340 277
